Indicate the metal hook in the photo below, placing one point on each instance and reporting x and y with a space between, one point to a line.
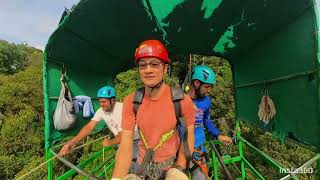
63 69
265 89
63 72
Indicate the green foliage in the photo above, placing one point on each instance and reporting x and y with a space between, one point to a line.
20 134
14 58
35 58
40 173
9 166
288 154
127 82
22 125
22 89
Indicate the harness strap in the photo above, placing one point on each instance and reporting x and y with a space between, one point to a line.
198 158
203 167
177 96
137 100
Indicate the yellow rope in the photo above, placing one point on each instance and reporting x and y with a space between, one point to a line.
37 167
165 137
143 139
57 156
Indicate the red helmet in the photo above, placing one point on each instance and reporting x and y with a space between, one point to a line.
152 48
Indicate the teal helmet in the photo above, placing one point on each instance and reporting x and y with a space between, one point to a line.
106 92
203 74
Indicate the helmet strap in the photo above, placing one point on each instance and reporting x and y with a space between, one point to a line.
157 86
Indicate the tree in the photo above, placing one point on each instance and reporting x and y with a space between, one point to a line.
22 127
14 58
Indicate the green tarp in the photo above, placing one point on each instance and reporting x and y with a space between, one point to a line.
269 43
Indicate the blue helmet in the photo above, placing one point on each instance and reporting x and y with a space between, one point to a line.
106 92
204 74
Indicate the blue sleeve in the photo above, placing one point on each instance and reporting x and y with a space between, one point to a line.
208 123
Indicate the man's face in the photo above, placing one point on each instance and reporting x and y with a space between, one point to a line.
202 89
151 71
205 88
105 104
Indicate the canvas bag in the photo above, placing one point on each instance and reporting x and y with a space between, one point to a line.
64 116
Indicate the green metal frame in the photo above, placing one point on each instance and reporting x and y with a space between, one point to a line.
243 161
106 167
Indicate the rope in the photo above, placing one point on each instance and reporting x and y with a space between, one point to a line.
37 167
56 157
165 137
143 139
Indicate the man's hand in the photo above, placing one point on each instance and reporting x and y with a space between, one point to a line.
106 142
67 148
225 139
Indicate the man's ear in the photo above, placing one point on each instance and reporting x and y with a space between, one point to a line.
165 69
196 83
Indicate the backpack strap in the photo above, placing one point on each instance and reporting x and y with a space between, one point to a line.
177 96
137 100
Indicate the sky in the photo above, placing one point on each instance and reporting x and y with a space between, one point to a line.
30 21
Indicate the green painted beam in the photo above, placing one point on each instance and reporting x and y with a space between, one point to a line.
265 156
103 164
215 165
50 164
46 113
108 168
71 172
240 147
232 160
256 172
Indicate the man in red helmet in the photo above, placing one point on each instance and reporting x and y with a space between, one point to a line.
161 153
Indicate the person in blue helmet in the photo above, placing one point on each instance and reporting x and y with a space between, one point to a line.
202 81
111 112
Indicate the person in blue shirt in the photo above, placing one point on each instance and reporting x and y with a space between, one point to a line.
202 81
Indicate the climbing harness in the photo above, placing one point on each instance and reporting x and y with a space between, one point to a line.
148 167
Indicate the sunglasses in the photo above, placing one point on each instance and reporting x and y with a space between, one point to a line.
153 64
